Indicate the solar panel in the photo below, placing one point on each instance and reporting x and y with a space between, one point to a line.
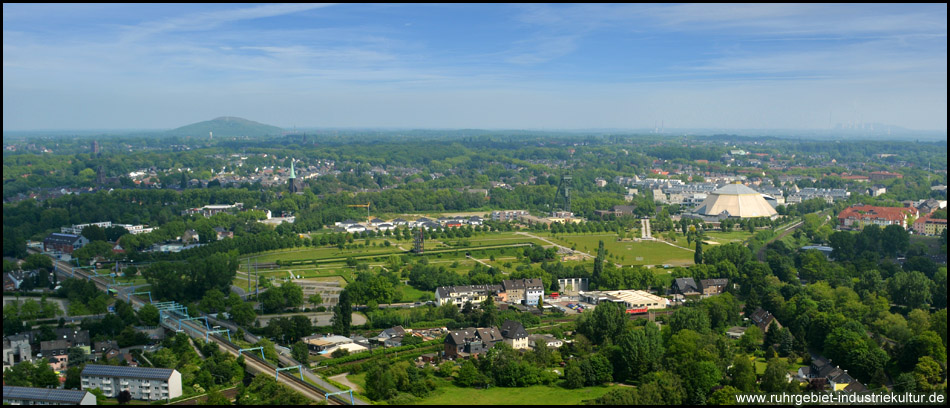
43 394
128 372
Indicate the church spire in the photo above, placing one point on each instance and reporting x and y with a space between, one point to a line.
292 174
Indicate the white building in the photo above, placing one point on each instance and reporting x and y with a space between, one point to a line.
459 295
46 396
572 286
631 299
151 384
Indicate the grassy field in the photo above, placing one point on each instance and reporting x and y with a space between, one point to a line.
628 252
535 395
760 365
411 294
449 394
299 254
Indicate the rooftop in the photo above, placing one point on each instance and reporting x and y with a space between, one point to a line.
72 397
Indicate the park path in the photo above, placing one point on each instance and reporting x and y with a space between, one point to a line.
527 234
341 378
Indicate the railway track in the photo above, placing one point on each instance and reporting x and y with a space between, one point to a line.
254 363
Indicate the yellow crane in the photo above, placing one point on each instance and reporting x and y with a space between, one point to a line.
363 205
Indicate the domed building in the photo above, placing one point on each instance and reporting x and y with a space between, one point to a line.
735 201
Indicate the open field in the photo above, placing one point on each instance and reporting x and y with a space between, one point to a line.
330 253
627 252
760 365
449 394
534 395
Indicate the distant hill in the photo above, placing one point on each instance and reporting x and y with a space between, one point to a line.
226 126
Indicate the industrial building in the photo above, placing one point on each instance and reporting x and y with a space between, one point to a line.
631 299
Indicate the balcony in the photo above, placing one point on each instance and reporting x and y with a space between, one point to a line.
106 382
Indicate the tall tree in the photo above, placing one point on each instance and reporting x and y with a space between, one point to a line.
743 374
698 255
342 314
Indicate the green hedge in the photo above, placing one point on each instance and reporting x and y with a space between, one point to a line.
377 352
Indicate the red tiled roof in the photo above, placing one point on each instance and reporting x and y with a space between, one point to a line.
867 212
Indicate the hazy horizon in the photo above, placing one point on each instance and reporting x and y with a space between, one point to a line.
562 67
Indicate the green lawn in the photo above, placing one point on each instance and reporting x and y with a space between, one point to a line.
411 294
327 252
535 395
449 394
760 365
628 252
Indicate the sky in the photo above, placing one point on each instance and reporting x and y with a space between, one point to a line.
485 66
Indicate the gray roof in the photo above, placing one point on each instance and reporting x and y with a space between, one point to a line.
512 329
730 189
73 397
64 239
686 285
128 372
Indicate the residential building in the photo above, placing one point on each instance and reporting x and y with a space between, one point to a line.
470 342
763 319
821 368
56 351
885 175
858 215
711 287
930 226
514 334
388 337
150 384
877 190
510 215
17 348
222 233
547 339
524 291
459 295
64 242
46 396
735 332
685 286
190 236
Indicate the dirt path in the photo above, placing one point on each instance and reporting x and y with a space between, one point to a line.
345 381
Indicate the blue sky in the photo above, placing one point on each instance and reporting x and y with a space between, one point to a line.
533 66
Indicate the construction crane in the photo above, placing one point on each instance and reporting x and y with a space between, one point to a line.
363 205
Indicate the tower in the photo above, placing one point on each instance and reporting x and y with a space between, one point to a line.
418 244
293 177
562 199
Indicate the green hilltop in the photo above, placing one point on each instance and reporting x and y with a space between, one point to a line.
227 126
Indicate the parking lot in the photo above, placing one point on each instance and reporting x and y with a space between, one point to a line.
569 305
